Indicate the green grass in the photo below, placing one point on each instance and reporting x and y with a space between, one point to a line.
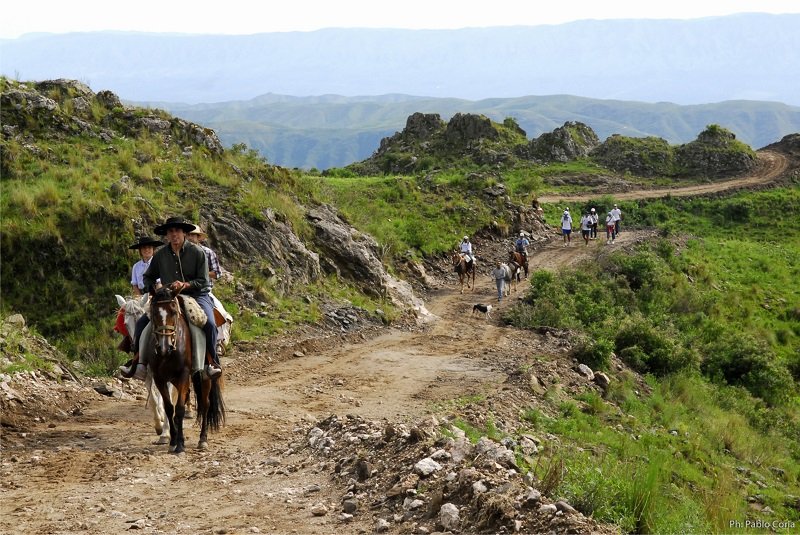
404 214
714 321
678 461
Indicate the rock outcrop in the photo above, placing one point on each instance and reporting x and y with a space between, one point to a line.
571 141
351 253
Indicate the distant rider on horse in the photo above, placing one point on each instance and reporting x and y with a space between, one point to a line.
466 250
521 245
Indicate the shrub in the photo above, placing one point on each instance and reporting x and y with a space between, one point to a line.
740 359
595 353
650 349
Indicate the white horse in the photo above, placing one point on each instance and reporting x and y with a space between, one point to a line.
134 308
511 272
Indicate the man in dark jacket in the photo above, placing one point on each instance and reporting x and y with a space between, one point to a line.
182 266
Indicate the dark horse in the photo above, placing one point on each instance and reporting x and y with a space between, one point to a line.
519 259
464 269
172 363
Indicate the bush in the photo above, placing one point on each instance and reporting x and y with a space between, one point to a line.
595 353
739 359
650 349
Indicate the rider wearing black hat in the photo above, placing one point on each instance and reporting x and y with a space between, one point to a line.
183 267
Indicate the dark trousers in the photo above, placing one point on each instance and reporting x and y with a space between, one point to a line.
593 233
210 328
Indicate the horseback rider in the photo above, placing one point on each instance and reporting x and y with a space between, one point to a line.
183 267
146 246
521 245
215 273
466 250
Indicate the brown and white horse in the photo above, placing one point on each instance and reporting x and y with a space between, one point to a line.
464 270
172 363
521 260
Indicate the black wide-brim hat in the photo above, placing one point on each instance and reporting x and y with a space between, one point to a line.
174 222
146 240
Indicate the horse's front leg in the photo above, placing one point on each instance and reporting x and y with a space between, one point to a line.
169 410
180 412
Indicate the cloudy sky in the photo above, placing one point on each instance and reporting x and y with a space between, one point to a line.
246 16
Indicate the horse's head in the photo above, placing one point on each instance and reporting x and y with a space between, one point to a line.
133 308
165 313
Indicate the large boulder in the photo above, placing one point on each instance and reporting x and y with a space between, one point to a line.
355 255
715 154
568 142
465 128
289 261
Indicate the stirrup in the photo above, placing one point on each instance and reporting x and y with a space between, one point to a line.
213 370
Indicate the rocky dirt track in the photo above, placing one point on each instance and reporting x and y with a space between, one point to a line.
323 433
94 468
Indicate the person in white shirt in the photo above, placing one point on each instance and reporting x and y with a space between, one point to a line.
610 232
617 213
466 249
147 247
566 227
595 219
586 226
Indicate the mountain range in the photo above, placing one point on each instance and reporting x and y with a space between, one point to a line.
326 98
695 61
334 131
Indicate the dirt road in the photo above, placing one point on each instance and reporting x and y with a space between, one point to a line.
99 472
95 470
771 166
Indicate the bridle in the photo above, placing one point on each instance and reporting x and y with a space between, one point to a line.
168 331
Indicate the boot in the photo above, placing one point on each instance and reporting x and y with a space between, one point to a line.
132 369
213 369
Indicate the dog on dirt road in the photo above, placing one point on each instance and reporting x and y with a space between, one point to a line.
486 310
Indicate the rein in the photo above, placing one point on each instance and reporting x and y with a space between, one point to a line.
168 330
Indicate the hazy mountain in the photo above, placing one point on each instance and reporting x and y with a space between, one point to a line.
333 131
751 56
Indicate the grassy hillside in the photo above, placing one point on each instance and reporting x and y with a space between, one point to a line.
700 426
710 314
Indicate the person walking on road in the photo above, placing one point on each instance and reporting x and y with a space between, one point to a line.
595 218
611 234
499 275
586 226
617 213
566 227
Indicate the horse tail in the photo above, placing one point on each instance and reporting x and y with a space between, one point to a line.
215 416
216 406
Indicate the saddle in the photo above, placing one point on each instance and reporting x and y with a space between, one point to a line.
196 315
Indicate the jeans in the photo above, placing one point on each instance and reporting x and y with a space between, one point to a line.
210 328
501 284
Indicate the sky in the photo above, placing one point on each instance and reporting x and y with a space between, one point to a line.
256 16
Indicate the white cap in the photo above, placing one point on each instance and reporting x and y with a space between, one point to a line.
521 233
466 237
592 209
